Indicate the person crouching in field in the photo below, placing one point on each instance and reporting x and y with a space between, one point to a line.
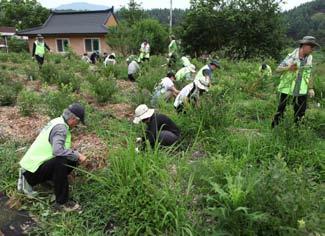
160 128
39 48
207 70
190 94
296 81
50 157
133 68
165 89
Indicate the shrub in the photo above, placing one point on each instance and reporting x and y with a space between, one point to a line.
57 101
49 73
9 90
28 102
17 45
104 89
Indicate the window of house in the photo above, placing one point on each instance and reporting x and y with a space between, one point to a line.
62 45
91 45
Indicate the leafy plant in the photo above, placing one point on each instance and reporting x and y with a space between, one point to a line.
28 102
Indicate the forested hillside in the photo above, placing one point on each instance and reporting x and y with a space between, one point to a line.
306 19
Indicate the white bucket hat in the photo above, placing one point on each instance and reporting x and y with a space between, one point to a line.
191 67
142 112
202 83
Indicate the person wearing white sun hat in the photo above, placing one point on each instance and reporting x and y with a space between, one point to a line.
160 128
191 93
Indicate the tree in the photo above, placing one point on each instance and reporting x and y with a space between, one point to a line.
242 29
22 14
133 13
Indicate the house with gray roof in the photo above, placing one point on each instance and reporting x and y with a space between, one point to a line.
82 31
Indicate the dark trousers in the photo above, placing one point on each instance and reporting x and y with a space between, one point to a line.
131 77
167 138
57 170
40 60
299 107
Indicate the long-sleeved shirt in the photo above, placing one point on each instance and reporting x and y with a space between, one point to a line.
34 48
157 123
57 139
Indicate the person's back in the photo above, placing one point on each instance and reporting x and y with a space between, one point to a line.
161 125
183 94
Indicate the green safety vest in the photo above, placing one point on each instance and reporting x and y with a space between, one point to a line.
41 150
266 73
172 47
183 74
200 75
288 80
40 49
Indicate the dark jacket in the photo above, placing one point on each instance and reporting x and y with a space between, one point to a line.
157 123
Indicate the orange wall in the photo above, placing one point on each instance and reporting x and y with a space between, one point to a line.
111 21
77 43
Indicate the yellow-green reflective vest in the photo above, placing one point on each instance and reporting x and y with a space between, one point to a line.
41 149
200 75
266 73
288 80
183 74
40 48
172 48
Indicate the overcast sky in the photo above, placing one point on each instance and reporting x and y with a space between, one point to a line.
147 4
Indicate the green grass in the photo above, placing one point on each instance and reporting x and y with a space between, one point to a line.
248 180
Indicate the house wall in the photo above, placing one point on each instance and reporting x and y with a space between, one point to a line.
111 21
77 43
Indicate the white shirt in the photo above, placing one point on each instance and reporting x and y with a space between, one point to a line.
182 96
145 48
133 68
109 61
166 84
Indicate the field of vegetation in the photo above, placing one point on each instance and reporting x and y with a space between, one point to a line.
230 175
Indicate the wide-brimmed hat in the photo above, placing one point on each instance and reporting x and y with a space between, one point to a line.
202 84
310 40
142 112
191 67
39 36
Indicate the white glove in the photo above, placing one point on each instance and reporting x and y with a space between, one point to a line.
138 140
137 150
311 93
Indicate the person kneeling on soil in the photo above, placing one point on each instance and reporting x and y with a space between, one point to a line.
191 93
160 128
165 89
50 157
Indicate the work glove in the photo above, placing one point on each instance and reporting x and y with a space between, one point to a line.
138 140
311 93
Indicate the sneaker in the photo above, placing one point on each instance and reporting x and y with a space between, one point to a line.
67 207
23 186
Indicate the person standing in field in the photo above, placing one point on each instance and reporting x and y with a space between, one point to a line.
172 51
51 157
39 48
296 81
144 51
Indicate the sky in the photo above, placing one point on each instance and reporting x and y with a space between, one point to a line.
148 4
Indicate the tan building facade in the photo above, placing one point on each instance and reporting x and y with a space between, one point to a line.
83 32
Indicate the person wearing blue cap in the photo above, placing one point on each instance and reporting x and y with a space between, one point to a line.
51 157
206 71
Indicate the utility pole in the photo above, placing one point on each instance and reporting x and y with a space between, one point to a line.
171 17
